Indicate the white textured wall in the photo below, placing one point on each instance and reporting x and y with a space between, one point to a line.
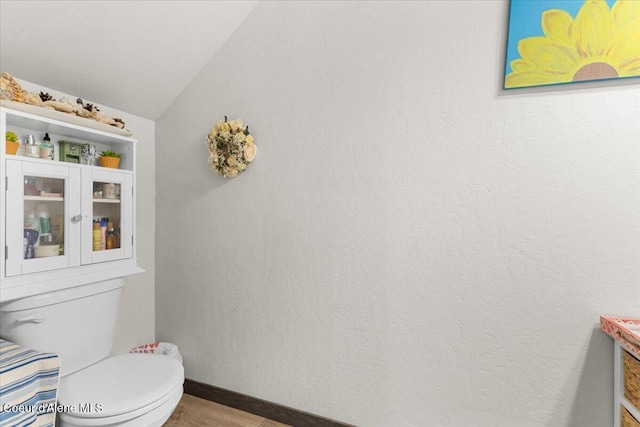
136 316
412 246
136 320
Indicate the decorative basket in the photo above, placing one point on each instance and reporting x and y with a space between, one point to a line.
631 379
625 331
109 162
627 419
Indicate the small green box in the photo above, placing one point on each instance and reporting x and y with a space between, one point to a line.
70 152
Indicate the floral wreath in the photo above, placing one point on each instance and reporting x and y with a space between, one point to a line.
231 148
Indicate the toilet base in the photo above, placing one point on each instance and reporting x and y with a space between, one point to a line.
154 418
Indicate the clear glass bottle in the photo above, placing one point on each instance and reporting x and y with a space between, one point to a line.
31 149
31 222
46 148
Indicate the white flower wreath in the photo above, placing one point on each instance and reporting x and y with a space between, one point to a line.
231 147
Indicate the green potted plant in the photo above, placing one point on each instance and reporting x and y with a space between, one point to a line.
109 159
12 143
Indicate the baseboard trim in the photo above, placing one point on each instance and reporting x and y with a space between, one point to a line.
253 405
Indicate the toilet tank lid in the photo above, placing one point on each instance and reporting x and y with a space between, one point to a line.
121 384
63 295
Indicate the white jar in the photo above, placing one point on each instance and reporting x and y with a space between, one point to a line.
110 190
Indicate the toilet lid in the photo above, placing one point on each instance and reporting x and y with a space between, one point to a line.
119 384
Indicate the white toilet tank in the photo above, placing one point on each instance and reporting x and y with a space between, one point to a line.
76 323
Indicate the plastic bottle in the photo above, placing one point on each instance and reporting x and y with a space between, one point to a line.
103 233
111 236
46 148
97 236
45 222
46 238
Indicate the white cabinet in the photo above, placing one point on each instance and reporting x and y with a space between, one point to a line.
50 208
116 206
21 177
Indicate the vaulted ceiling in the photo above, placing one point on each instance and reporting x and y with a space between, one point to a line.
135 56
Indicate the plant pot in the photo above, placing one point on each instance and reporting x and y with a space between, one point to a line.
12 147
109 162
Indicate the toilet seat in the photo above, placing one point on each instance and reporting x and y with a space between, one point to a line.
121 388
151 416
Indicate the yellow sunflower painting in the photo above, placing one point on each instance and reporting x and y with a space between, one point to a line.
580 41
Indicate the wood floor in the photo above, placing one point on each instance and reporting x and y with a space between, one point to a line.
193 411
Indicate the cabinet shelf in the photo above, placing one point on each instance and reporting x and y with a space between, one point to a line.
58 162
44 199
46 120
106 200
102 137
629 407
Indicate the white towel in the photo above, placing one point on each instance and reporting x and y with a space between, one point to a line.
163 348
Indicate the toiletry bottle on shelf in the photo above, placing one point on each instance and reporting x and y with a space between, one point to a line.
31 149
45 221
103 233
111 236
46 148
46 238
31 222
97 236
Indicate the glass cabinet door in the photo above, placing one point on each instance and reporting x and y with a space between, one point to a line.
44 224
108 211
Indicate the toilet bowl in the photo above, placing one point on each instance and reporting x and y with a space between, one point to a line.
125 390
137 390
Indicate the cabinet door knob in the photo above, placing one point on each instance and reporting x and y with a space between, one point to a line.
76 218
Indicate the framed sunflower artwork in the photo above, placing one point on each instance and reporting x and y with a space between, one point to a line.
565 41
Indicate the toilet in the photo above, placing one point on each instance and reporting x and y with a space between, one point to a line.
78 324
